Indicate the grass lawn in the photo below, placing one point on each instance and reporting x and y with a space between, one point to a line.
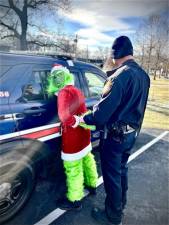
157 112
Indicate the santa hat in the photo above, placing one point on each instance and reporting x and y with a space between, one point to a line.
59 77
57 67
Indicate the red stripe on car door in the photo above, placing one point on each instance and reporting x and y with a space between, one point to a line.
42 133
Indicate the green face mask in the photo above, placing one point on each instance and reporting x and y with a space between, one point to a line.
58 79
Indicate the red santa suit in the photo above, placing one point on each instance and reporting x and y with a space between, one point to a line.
75 141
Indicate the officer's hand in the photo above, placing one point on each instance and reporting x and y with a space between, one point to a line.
77 121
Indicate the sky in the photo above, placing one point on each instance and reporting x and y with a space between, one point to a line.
99 22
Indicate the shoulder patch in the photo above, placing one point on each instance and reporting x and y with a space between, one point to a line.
107 87
109 83
118 72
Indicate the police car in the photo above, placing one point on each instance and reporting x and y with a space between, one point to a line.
29 125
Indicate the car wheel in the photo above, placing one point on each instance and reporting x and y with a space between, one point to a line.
16 185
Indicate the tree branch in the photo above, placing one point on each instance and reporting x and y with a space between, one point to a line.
5 6
34 4
17 10
6 13
42 44
7 36
10 28
39 28
39 43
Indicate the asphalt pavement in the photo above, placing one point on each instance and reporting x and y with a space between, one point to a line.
148 194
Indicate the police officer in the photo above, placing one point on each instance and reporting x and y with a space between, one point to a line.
120 114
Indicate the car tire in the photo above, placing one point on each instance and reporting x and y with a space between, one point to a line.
17 180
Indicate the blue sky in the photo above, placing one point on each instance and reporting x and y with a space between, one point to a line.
99 22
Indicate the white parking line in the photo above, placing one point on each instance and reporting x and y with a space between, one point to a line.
148 145
55 214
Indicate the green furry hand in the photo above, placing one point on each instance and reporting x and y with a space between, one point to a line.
87 113
86 126
90 127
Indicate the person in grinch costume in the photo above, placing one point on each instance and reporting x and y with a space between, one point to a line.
78 161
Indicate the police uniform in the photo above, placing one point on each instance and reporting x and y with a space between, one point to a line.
120 114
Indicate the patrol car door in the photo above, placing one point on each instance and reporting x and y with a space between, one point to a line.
7 115
36 108
10 80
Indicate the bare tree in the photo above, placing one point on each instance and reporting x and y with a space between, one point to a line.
140 45
84 53
151 39
102 52
16 16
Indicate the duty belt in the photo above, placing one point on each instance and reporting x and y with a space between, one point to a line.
117 131
124 128
127 129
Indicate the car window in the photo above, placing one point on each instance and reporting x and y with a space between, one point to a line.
33 90
76 78
95 84
41 77
36 88
45 74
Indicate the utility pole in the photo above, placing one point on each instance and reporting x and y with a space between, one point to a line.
75 45
87 53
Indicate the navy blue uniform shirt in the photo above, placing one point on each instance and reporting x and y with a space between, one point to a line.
125 99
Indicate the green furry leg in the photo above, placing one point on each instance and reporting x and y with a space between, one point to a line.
90 170
74 179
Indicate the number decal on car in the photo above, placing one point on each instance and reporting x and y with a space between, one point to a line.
4 94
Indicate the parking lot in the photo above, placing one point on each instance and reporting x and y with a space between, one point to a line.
148 202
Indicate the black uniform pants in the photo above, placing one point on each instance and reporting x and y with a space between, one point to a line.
114 156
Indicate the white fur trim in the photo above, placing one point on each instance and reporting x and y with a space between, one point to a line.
77 121
78 155
59 67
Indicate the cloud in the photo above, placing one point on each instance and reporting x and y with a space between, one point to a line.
107 15
92 37
103 18
97 20
93 33
121 8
